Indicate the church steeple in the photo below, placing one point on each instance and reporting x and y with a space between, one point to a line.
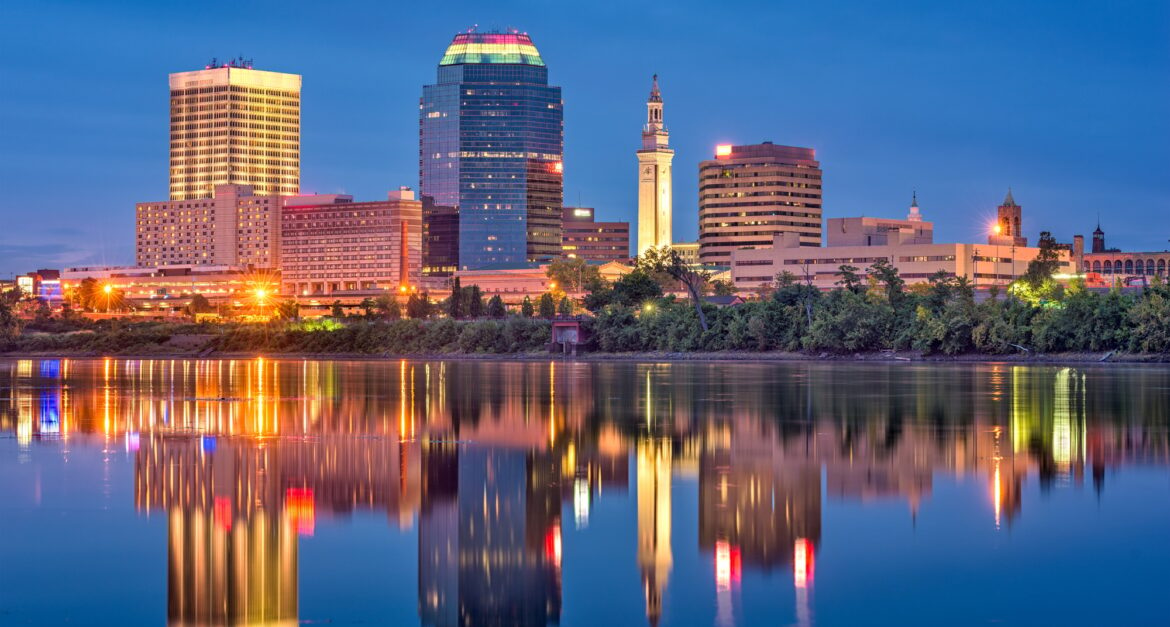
1008 201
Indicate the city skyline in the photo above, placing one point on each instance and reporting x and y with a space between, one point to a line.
955 93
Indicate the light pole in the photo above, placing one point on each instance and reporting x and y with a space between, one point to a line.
261 293
108 289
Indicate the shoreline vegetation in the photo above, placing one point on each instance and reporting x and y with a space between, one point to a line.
872 315
1106 358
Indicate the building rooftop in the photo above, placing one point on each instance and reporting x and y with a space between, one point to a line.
503 48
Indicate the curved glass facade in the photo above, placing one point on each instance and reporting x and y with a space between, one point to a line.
491 141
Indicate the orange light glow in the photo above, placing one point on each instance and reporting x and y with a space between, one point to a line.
997 228
802 563
723 150
559 167
299 504
402 288
107 289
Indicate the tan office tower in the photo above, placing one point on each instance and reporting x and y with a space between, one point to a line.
231 124
654 177
748 194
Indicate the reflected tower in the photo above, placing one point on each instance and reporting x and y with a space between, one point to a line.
654 553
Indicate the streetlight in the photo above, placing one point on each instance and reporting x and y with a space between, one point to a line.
108 289
261 294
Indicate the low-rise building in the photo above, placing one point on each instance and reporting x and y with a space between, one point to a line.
867 231
1106 266
44 284
687 251
172 287
582 237
331 245
513 283
982 264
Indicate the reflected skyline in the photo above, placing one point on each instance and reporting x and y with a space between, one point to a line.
498 465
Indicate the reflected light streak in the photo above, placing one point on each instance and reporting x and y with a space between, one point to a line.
802 563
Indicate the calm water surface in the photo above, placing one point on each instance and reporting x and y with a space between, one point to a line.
459 493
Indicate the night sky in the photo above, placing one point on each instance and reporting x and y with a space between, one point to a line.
1067 102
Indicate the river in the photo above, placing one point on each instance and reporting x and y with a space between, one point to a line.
491 492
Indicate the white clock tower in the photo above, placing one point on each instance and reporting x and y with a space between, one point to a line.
654 177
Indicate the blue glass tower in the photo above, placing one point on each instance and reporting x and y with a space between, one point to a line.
491 140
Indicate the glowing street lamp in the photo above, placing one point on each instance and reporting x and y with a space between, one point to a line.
261 294
108 289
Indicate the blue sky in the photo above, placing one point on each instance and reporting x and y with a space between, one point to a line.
1066 102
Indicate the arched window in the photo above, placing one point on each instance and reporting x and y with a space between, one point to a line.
1087 267
1162 266
1108 267
1150 266
1097 266
1129 266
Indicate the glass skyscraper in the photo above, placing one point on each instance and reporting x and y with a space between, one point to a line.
491 140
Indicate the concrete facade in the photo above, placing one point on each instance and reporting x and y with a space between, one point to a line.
235 227
585 238
331 244
747 194
231 124
866 231
982 264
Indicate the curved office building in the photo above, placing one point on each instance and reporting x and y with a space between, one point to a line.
491 140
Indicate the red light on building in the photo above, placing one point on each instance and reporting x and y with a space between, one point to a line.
552 544
299 504
722 151
802 563
223 513
556 167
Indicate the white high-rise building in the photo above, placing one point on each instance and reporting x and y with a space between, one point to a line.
654 177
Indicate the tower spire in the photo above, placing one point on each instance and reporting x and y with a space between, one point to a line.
1008 201
914 215
655 95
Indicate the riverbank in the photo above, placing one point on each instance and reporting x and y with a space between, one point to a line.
1110 357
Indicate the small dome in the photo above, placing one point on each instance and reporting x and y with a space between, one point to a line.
503 48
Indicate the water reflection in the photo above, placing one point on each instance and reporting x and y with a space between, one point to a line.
493 460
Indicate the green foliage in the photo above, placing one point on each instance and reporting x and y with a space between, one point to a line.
666 261
574 275
631 290
10 326
464 302
850 280
387 307
565 307
722 288
336 311
1150 318
199 304
548 306
418 306
287 309
496 308
526 308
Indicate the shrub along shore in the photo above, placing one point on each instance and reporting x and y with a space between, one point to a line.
870 314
